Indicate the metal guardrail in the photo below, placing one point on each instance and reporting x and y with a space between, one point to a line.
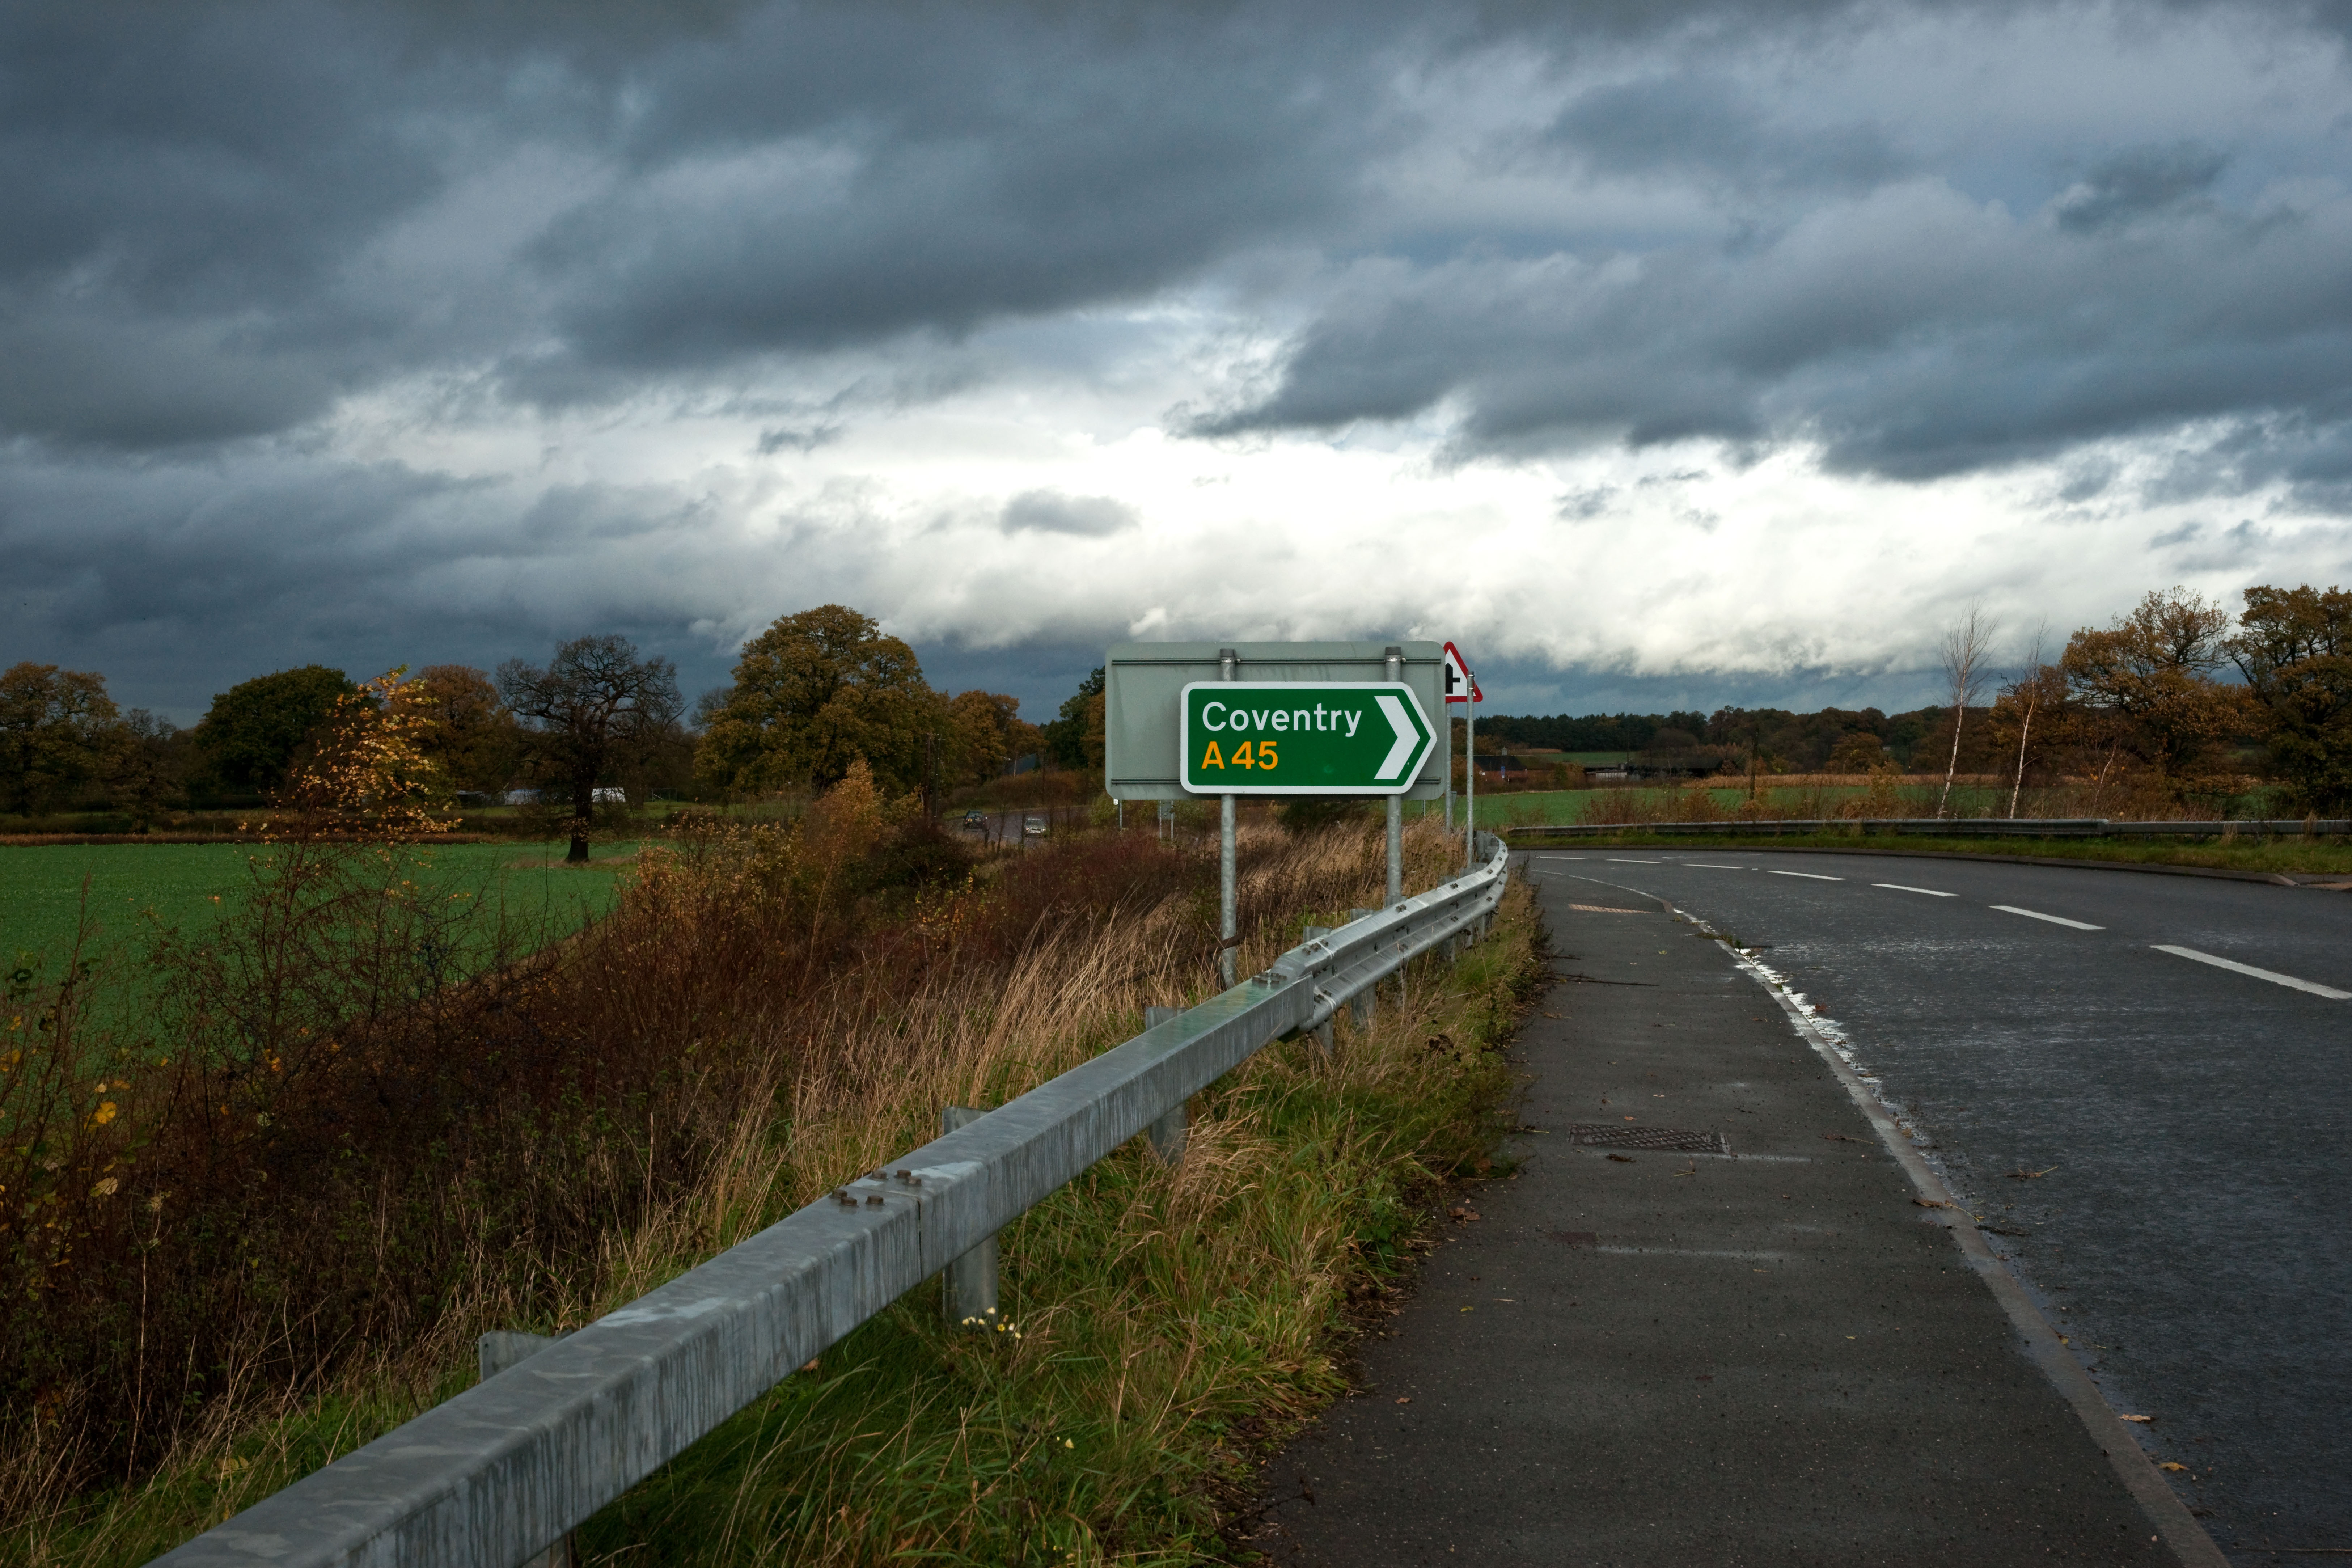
1953 827
497 1474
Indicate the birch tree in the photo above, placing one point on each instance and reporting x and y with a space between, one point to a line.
1967 643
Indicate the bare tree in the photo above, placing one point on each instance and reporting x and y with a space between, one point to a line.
587 712
2029 686
1966 641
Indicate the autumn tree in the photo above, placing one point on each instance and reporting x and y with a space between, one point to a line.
146 767
814 693
585 714
253 731
987 732
459 721
2148 679
1857 751
57 730
2295 647
366 769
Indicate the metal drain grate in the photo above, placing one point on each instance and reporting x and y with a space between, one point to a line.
1662 1139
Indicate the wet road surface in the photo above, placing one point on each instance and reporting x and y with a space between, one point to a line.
2174 1054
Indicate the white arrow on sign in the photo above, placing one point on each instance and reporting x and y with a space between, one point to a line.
1407 736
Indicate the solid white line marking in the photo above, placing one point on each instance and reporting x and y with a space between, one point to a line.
2272 975
1711 865
1900 888
2054 920
1809 876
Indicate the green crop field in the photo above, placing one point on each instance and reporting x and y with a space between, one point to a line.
1517 808
42 887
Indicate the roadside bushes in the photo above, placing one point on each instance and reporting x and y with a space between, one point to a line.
362 1122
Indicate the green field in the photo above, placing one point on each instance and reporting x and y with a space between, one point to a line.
42 887
1516 808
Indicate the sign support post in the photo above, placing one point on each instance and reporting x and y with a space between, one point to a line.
1462 687
1470 784
1395 670
1228 912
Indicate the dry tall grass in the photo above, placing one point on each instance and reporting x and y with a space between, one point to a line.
706 1062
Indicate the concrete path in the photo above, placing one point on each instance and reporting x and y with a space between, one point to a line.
1631 1356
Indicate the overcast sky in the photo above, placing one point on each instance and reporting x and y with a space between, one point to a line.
1659 354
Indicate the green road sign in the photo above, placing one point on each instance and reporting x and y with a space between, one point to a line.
1270 737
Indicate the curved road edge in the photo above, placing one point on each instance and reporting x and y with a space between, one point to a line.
2183 1535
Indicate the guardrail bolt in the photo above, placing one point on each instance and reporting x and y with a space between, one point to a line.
968 1285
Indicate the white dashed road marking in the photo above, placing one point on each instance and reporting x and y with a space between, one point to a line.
1900 889
1808 875
2054 920
1694 1252
2272 975
1613 860
1711 865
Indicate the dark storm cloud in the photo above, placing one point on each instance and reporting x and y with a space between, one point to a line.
218 218
224 225
1913 332
1713 129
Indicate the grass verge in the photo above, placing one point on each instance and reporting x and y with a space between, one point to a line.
1168 1323
2307 856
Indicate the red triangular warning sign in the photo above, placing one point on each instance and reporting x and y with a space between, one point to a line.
1461 686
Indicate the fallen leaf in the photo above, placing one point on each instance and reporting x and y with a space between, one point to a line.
2169 1464
2143 1420
1551 1014
811 1366
1469 1309
1934 1204
2022 1174
1623 1159
1406 1400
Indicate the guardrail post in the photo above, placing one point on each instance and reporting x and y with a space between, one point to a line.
493 1353
1322 1031
970 1297
1168 1132
1229 932
1362 1006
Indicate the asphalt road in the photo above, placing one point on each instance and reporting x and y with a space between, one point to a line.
2193 1124
1706 1318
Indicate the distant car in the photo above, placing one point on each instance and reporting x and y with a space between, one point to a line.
975 821
1035 826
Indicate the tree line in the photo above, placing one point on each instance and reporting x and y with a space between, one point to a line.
813 695
2177 701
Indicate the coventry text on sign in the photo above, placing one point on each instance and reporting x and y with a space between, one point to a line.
1292 738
